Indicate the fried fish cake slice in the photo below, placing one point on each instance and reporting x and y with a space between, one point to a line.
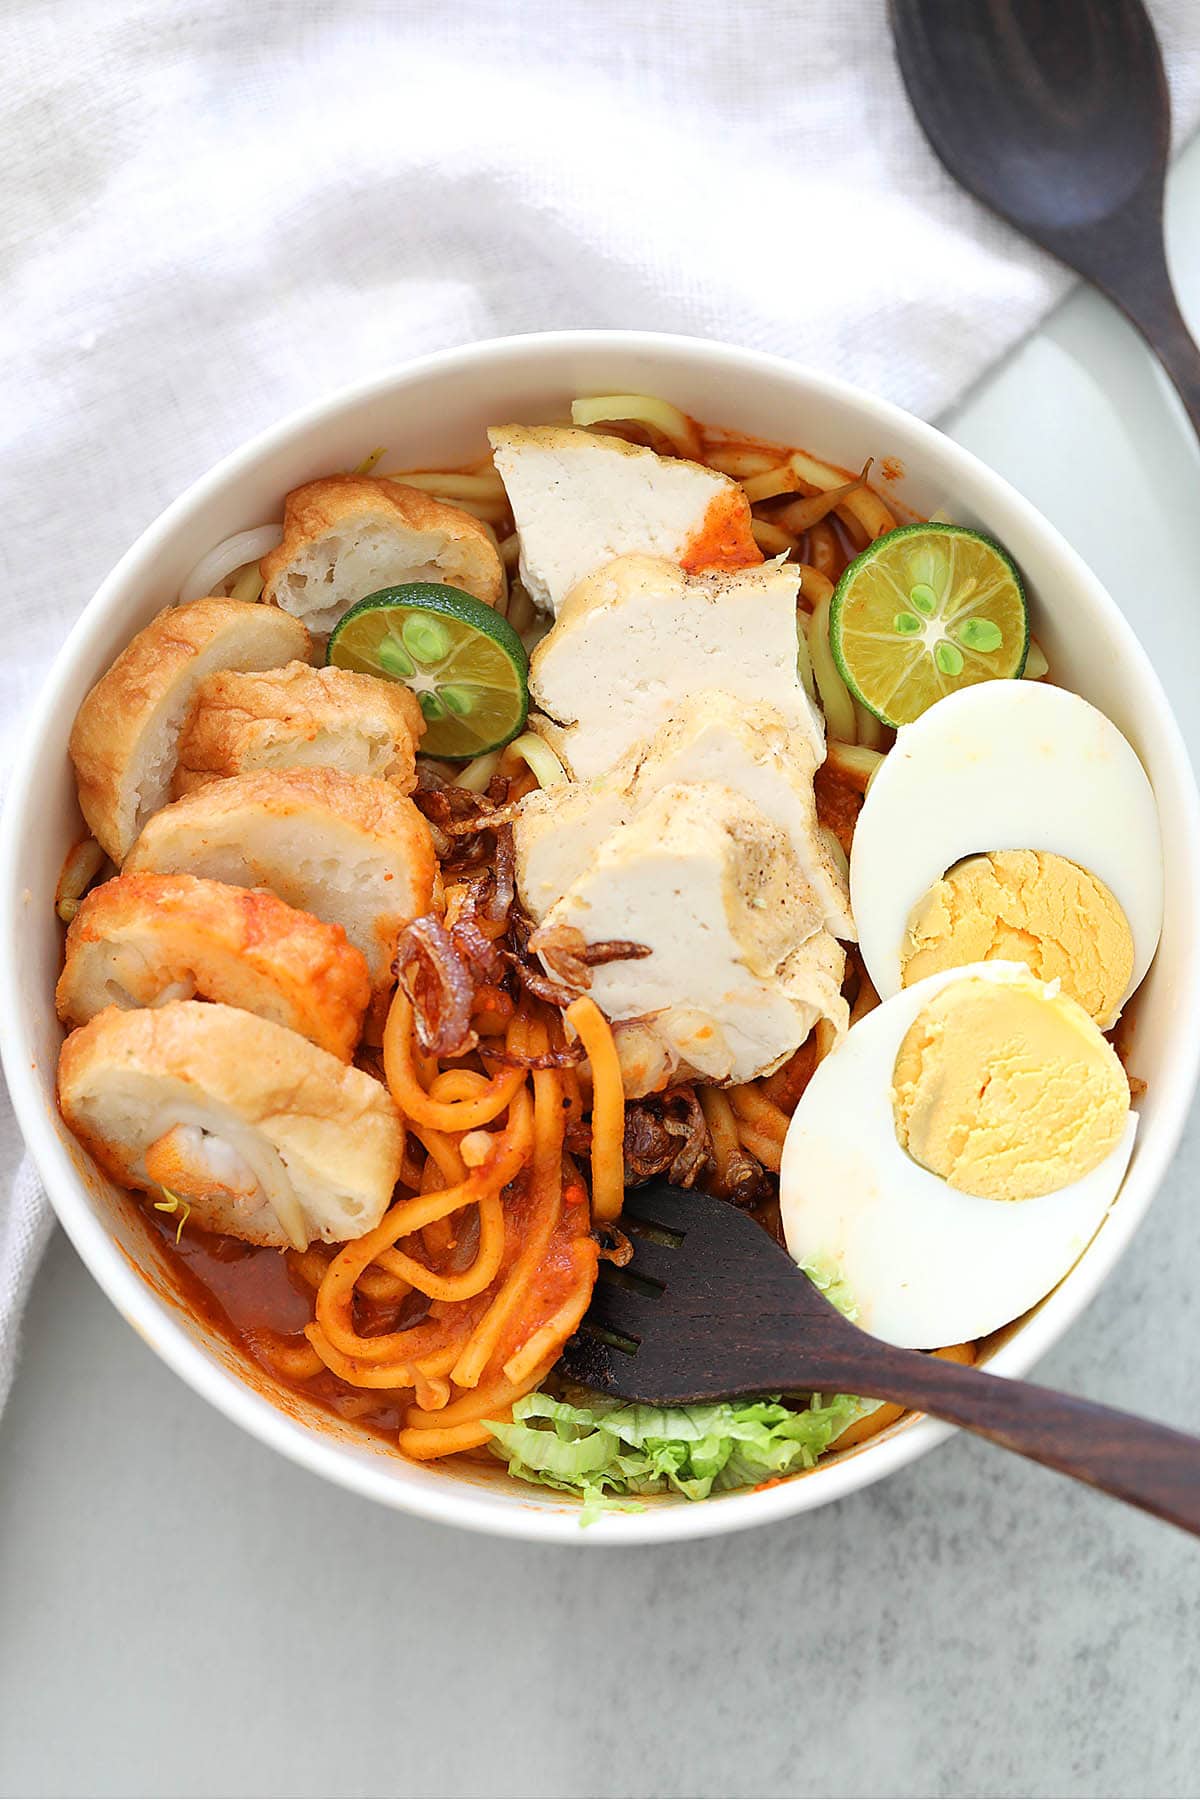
300 717
261 1134
125 737
347 848
145 940
348 536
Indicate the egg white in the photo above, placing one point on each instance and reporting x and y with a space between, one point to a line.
925 1264
1004 765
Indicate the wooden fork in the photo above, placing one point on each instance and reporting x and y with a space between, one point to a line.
710 1308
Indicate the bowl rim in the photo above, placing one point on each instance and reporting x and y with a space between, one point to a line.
538 1519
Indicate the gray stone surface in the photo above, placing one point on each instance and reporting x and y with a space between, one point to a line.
182 1613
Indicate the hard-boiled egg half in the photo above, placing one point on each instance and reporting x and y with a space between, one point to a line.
1011 820
953 1156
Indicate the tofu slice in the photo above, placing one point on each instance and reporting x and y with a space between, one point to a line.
558 833
811 976
712 738
638 638
702 878
350 535
579 500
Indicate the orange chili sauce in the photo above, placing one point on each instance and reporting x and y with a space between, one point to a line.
246 1294
724 540
839 802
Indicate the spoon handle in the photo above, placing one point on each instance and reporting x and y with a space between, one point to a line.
1148 1465
1126 258
1147 297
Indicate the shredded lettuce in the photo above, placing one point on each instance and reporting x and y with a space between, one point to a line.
606 1452
833 1284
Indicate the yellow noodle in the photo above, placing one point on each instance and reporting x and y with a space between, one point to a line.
835 695
814 587
864 504
722 1131
771 540
766 1150
868 730
1036 664
856 762
740 460
450 484
641 409
866 999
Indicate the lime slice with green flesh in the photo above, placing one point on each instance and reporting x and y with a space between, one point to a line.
924 611
465 664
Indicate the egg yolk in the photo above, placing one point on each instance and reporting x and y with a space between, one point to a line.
1007 1091
1026 906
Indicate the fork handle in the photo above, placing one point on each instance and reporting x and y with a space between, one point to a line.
1148 1465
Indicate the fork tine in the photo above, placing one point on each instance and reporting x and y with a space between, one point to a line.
712 1228
621 1309
656 1261
687 1339
675 1209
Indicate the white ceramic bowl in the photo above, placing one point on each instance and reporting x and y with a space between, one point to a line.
432 413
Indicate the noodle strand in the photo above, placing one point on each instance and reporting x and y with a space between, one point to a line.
608 1107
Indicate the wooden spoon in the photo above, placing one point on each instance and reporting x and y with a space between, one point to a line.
1056 114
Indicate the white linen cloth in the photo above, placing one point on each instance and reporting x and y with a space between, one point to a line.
216 211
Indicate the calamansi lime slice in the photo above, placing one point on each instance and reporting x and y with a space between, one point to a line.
925 610
465 664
